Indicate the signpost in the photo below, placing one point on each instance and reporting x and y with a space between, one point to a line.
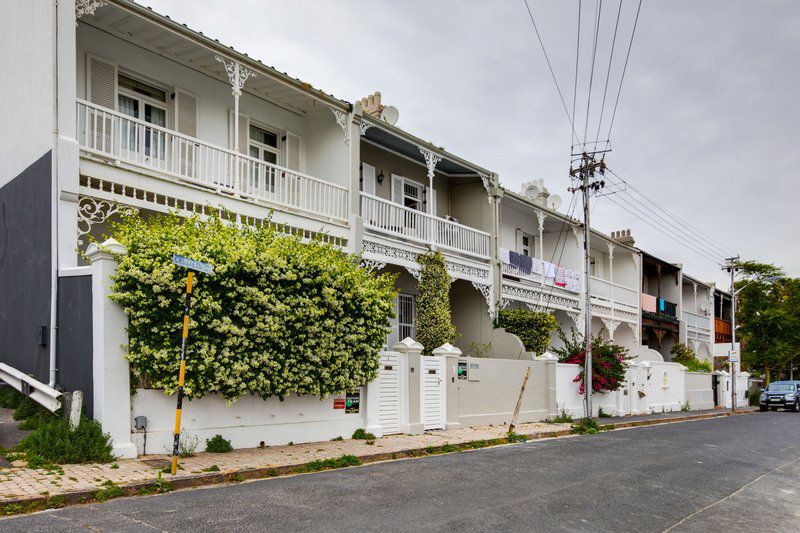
206 268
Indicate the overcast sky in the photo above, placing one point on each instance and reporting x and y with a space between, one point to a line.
706 125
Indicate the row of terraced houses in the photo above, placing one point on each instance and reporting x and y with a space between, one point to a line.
110 105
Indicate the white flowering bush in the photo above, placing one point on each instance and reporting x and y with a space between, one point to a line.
278 316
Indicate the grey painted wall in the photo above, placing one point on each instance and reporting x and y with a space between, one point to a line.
74 361
25 263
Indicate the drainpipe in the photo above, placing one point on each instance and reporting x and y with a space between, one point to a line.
54 208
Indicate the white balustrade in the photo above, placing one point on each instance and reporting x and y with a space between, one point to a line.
512 270
108 133
395 219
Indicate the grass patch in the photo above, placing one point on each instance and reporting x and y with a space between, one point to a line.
212 468
218 444
586 426
513 437
362 434
602 414
563 418
54 442
338 438
108 492
328 464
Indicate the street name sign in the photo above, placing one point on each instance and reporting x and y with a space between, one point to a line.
192 264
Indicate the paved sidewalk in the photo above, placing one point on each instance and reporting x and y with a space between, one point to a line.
77 483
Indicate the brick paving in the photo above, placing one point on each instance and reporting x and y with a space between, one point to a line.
19 482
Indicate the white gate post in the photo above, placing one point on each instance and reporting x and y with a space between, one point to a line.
411 386
451 355
110 372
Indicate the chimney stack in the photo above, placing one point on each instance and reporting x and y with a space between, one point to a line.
371 105
623 237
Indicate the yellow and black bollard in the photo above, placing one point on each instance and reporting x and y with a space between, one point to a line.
190 264
182 372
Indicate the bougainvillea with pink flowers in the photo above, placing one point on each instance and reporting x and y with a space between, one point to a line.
609 361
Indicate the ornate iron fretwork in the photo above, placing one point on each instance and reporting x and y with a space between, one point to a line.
486 291
431 160
372 265
93 211
540 217
87 7
486 185
238 74
363 127
341 120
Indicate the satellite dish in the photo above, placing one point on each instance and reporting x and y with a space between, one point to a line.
531 190
390 114
554 202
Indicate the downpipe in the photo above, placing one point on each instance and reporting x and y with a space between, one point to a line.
54 209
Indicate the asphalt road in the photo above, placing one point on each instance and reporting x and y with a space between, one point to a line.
727 474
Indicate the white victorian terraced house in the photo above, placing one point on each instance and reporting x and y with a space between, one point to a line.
697 316
541 262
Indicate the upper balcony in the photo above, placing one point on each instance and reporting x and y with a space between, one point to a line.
119 138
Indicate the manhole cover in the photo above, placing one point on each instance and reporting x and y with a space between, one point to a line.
158 463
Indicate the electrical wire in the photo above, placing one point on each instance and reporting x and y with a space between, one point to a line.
608 75
624 70
705 238
597 16
550 66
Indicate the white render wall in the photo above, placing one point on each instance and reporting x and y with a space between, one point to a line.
570 400
324 152
27 36
699 393
246 423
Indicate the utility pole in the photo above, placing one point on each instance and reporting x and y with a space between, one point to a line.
730 265
585 173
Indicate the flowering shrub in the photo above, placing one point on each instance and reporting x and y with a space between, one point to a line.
609 361
276 317
684 355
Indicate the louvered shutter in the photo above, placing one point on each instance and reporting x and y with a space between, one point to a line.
101 88
292 151
367 178
397 189
186 123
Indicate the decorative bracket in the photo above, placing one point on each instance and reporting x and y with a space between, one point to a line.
486 292
341 120
415 272
541 217
636 331
362 127
487 186
611 326
87 7
372 265
578 234
610 250
238 74
431 160
575 317
93 211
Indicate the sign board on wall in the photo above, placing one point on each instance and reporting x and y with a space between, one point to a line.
352 401
462 370
339 402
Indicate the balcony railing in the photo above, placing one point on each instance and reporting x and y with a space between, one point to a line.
512 270
108 133
663 308
620 295
400 221
722 327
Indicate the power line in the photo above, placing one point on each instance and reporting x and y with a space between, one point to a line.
608 73
624 70
549 66
591 72
707 239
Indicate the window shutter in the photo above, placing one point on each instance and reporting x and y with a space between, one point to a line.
244 133
397 189
292 151
185 113
102 82
367 178
518 248
185 110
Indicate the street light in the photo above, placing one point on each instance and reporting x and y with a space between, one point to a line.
733 364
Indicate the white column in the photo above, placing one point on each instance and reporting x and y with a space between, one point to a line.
411 386
431 160
110 371
451 384
540 216
238 76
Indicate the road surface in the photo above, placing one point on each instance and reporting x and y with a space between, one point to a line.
738 473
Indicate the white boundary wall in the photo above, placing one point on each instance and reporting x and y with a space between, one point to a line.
699 393
570 400
664 386
724 389
246 423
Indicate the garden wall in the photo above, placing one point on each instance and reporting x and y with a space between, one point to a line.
490 392
570 400
664 386
246 423
699 393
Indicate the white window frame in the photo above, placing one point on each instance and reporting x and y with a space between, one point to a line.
531 244
421 199
411 330
278 151
142 99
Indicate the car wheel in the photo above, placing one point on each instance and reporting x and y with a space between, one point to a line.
796 406
774 408
762 408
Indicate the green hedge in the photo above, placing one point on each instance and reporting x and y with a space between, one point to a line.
532 327
434 327
684 355
278 316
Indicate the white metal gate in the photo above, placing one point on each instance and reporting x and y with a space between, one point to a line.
433 397
389 393
638 400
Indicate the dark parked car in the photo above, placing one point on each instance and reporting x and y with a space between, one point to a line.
781 394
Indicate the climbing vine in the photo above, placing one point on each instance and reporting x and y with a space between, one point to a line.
434 326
